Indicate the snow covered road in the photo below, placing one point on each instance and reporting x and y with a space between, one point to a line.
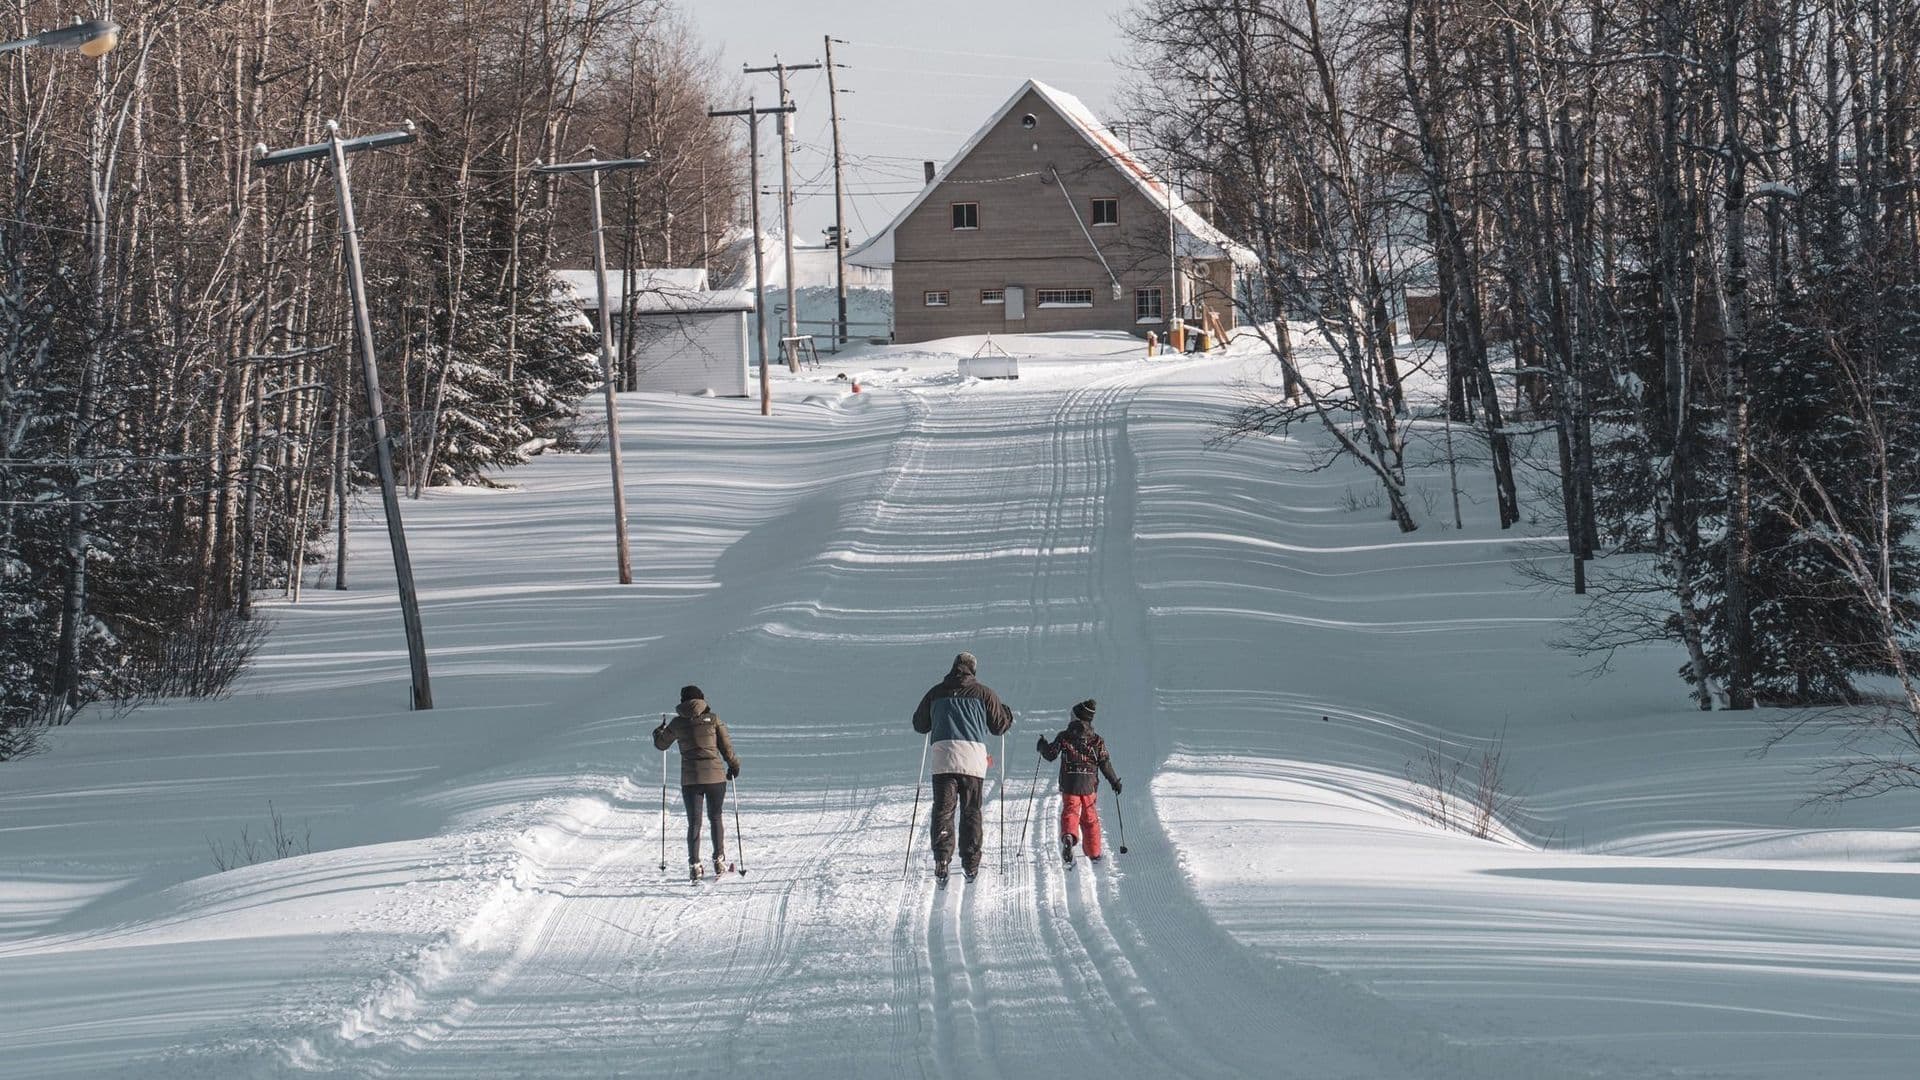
489 899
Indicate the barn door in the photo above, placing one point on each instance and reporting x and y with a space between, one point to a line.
1016 306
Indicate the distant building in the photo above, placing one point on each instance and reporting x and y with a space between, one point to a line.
1045 221
686 339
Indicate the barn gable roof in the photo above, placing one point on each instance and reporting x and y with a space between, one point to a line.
1198 237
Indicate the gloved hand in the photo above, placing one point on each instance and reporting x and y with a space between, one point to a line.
733 771
1040 745
1116 787
661 730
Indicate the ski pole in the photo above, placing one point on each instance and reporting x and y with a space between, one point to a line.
913 824
1032 789
739 838
663 804
1123 822
1003 802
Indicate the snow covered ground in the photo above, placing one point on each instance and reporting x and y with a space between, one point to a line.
483 894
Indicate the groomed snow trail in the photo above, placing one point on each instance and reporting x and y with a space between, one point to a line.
1001 523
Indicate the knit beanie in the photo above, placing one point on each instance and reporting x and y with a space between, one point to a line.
1083 712
690 693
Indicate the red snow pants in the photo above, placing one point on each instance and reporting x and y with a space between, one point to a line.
1082 812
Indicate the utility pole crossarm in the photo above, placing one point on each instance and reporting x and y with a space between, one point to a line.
593 165
751 112
314 151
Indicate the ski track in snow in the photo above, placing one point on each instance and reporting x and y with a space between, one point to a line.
592 962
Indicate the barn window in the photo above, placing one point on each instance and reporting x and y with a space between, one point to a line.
966 215
993 296
1050 298
936 298
1146 305
1106 211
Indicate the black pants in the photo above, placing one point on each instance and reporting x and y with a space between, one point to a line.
950 789
715 796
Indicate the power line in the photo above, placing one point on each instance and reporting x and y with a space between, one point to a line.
982 55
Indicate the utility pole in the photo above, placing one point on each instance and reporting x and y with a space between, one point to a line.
593 167
780 71
839 203
752 112
336 149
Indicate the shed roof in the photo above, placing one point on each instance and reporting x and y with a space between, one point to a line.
657 291
1198 237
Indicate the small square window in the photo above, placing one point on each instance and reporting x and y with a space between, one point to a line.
936 298
993 296
966 215
1106 211
1146 305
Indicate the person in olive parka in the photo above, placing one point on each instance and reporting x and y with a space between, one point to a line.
707 762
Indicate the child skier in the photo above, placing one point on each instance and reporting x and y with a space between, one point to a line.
1082 754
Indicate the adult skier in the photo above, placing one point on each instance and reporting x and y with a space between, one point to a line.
1083 756
958 715
707 762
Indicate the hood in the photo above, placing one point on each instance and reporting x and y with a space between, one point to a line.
1079 726
692 707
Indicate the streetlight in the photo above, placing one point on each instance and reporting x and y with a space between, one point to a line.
92 38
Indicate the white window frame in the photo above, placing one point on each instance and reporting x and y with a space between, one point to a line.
1093 212
951 214
1040 298
993 296
944 298
1159 305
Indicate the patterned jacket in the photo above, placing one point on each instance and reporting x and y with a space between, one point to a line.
1082 755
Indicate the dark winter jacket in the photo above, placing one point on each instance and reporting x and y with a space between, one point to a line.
706 752
1082 755
960 713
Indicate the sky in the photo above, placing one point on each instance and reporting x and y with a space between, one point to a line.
916 80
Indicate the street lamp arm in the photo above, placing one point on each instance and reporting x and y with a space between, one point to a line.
90 37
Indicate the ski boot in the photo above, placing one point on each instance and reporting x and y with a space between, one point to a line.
1066 850
940 874
971 874
693 873
719 866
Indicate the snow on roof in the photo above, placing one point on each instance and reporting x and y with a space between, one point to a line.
1198 237
657 291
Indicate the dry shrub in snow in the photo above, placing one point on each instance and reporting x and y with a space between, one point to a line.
280 841
1471 795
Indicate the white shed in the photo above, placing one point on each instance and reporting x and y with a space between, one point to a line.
688 339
